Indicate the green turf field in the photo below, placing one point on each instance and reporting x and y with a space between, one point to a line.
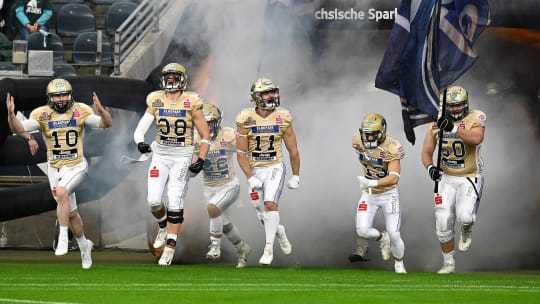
127 277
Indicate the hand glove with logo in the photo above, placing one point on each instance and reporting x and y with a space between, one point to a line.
144 147
367 183
254 183
447 123
196 167
435 173
293 182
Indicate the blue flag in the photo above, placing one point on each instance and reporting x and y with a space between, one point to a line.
430 47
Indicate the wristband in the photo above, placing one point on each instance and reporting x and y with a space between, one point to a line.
206 141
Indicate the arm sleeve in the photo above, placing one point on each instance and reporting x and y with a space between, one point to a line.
44 18
93 120
142 127
21 16
30 125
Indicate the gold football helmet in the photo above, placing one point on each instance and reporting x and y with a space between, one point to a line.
58 87
263 85
212 114
373 130
173 77
457 102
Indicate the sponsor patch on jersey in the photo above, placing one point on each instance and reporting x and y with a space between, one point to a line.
438 199
154 172
223 143
265 129
172 113
370 160
45 116
187 104
157 103
382 154
76 113
65 154
216 153
362 206
279 120
249 121
62 124
462 125
482 117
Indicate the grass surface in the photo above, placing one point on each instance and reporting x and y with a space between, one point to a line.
128 277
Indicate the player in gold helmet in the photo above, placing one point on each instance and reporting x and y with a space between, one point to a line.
62 122
221 186
261 131
460 175
380 156
175 114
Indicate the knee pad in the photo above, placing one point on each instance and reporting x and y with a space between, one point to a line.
175 216
445 236
155 206
227 228
367 233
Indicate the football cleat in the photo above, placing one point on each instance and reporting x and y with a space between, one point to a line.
284 243
465 238
386 251
400 268
360 255
167 256
62 247
161 238
243 251
86 254
447 268
267 257
214 253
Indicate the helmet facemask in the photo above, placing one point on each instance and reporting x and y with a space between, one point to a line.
173 78
373 131
59 87
212 114
457 102
261 87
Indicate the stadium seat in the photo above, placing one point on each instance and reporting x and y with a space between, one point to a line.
64 70
7 66
85 49
117 14
67 1
73 19
53 43
5 48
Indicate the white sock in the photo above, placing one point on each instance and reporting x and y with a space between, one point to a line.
271 223
63 233
82 241
448 257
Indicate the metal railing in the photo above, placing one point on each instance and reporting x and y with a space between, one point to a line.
130 33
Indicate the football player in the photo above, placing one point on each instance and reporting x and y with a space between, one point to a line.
221 186
62 123
380 156
260 133
174 112
460 175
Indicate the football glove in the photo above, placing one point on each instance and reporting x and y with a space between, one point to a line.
447 123
435 173
293 182
254 183
367 183
144 147
196 167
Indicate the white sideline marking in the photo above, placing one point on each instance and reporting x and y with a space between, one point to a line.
32 301
271 286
